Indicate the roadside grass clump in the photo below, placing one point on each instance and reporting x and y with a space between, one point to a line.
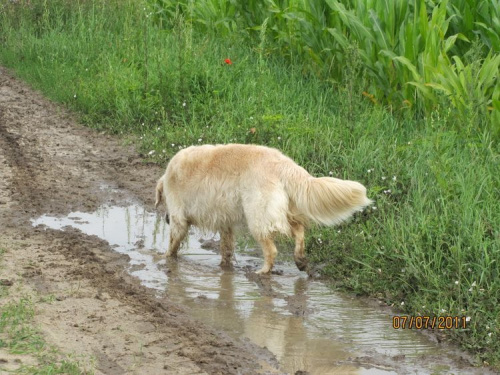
431 242
19 336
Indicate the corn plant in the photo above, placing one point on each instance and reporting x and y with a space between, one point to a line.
412 51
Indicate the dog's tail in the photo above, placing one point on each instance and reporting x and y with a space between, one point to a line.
328 200
159 192
160 197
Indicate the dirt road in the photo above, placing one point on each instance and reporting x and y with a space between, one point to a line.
49 164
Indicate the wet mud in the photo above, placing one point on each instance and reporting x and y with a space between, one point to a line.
81 235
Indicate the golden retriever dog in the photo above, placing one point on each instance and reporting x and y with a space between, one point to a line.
215 188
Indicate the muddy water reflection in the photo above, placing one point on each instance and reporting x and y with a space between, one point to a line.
305 324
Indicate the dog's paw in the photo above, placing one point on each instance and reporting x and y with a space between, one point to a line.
301 263
264 271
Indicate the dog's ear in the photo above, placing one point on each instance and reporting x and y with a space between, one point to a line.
159 192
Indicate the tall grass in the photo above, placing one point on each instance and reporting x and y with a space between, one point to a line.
432 239
414 52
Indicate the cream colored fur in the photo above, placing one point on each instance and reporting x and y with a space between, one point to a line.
218 187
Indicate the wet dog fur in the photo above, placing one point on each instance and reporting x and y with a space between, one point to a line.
216 188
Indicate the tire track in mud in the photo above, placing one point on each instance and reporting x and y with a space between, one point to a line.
13 158
52 165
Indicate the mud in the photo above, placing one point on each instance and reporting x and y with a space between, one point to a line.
113 301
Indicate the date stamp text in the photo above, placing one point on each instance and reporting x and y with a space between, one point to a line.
429 322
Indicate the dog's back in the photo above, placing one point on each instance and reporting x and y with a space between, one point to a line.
213 187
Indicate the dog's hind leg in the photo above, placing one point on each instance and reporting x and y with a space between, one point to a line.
226 246
299 254
270 251
178 231
265 209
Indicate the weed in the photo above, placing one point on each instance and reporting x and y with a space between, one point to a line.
18 335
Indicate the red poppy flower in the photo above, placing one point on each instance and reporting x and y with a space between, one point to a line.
228 61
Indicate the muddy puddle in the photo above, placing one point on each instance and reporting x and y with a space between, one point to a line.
305 324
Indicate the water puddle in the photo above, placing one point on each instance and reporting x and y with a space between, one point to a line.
306 325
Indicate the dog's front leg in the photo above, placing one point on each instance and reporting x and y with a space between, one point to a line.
178 231
226 246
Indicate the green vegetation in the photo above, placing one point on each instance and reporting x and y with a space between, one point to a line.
158 75
19 336
418 55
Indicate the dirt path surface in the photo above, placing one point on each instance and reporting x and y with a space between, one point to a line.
51 165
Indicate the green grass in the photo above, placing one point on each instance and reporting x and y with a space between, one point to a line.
432 239
18 335
416 54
